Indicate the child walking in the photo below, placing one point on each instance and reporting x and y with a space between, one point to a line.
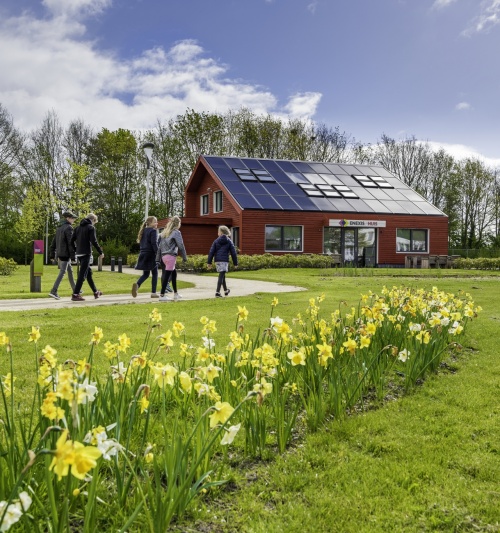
148 242
169 245
220 250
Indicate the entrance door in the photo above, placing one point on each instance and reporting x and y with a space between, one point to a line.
356 246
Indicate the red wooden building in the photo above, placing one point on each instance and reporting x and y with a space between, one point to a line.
362 214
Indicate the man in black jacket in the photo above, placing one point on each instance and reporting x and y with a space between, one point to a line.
83 239
62 249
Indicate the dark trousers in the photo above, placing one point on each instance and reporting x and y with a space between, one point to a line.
221 281
166 276
85 273
154 278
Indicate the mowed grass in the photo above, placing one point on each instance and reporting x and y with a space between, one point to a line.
429 461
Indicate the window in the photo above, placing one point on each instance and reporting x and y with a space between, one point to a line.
331 240
411 240
217 201
284 238
235 234
204 204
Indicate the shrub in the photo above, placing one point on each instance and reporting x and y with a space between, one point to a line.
7 266
481 263
116 249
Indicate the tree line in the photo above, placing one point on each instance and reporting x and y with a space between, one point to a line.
56 168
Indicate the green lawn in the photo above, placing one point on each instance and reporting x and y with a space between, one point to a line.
429 461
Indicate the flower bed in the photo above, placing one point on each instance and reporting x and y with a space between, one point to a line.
142 442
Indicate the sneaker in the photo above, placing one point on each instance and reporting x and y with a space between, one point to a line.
177 297
218 295
226 293
77 298
135 288
54 295
154 295
169 288
165 299
97 294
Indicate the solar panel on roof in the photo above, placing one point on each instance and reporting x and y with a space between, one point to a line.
254 179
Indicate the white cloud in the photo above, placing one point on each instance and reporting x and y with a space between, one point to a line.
51 66
489 17
303 105
463 106
312 6
439 4
461 151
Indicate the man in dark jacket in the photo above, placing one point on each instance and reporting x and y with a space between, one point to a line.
62 249
83 239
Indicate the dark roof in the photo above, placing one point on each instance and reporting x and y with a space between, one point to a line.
276 184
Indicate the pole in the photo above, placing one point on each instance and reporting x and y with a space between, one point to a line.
148 172
47 240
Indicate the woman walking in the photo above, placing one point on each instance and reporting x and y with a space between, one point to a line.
148 242
221 248
169 246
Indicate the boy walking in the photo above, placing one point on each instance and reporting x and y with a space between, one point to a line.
62 250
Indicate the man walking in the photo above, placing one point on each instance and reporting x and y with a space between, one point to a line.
83 239
62 250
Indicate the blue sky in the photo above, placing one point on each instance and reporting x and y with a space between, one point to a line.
427 68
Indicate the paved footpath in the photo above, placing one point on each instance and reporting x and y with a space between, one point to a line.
204 288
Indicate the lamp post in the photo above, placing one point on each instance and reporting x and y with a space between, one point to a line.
148 152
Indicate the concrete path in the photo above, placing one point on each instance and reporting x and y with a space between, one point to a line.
204 288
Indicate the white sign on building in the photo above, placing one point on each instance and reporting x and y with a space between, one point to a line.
347 223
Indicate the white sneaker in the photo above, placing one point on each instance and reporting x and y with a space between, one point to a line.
177 297
164 299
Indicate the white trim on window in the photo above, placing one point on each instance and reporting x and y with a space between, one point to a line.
204 204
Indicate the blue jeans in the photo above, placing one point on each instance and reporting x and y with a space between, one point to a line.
64 266
154 278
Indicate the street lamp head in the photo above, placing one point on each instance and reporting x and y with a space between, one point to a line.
148 151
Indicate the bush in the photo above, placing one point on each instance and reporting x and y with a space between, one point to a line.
481 263
7 266
198 263
116 249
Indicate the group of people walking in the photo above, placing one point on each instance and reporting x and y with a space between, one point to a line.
156 251
164 251
68 246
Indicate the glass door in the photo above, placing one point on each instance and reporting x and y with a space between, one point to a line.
349 252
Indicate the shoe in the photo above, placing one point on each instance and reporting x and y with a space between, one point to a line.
77 298
54 295
177 297
226 293
135 288
218 295
154 295
169 288
97 294
165 299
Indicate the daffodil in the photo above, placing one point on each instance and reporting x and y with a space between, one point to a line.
230 434
3 339
34 335
96 336
242 313
155 315
222 411
124 342
297 357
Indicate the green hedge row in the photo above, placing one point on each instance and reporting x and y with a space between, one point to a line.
198 263
481 263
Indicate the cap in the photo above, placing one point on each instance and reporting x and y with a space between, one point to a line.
69 214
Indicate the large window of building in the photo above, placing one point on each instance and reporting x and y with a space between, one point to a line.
217 201
332 240
412 240
204 204
283 238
